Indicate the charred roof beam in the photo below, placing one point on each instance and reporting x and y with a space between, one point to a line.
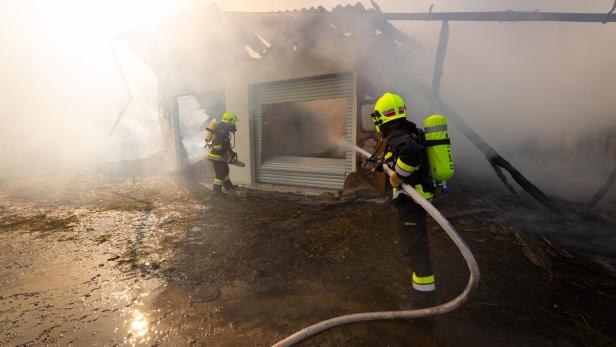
493 16
505 16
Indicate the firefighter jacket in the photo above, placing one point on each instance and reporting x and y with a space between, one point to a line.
406 155
221 149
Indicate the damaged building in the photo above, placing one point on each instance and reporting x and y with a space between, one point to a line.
137 256
302 85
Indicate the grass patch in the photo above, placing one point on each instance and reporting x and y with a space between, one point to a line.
331 241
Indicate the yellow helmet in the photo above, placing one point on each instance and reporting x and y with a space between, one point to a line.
229 118
389 107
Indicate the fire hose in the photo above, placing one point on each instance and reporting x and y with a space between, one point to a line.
458 301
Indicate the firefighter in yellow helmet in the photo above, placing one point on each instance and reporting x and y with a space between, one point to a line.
405 154
221 151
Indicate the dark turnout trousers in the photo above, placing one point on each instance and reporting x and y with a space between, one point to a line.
221 171
415 246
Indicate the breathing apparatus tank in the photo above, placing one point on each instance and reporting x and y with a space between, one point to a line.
438 149
209 131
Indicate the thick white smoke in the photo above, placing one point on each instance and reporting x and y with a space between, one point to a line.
538 92
61 90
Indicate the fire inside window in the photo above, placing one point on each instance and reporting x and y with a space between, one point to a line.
304 129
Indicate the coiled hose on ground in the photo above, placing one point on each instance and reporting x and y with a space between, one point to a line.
458 301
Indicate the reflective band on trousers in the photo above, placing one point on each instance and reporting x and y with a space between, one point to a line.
424 287
423 280
401 172
404 169
435 129
423 284
217 181
404 166
215 157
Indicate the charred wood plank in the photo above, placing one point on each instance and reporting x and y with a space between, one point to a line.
503 178
527 185
534 252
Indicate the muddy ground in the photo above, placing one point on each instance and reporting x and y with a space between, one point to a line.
93 261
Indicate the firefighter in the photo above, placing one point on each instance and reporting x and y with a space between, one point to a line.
221 151
405 154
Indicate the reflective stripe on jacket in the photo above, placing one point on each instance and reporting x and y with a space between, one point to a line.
221 142
407 156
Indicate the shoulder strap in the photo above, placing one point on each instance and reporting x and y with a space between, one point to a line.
420 136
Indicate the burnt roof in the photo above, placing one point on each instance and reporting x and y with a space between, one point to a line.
202 41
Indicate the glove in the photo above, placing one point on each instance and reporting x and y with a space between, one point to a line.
395 180
230 156
378 165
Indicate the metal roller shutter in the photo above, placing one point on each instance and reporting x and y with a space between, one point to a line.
304 171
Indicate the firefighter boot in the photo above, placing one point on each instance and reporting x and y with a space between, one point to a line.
420 299
229 186
217 189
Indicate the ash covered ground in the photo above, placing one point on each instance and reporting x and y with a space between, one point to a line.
88 260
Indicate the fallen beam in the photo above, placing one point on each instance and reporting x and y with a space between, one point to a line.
490 153
603 190
503 178
527 185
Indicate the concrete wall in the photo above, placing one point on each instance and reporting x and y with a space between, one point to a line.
239 82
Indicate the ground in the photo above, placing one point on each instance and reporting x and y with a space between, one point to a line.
89 260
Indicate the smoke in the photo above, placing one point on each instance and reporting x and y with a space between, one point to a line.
540 93
60 89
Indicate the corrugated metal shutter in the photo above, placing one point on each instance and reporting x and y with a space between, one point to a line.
304 171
